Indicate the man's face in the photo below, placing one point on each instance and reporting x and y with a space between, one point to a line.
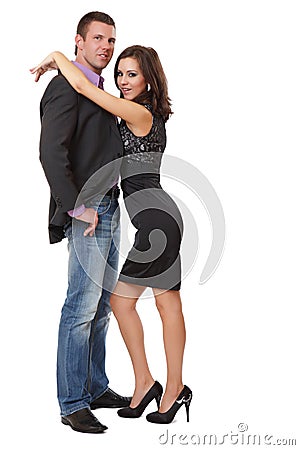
97 49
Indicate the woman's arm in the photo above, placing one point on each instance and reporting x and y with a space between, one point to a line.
137 117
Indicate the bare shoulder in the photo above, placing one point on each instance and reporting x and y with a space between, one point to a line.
143 123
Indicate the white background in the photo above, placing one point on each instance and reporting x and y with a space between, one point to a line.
233 71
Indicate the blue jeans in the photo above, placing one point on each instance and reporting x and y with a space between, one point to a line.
92 275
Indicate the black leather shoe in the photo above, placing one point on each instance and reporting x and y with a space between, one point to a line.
84 421
110 400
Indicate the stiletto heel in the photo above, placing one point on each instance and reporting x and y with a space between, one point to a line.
155 392
184 398
187 408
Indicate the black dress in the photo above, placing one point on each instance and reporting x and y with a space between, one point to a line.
154 259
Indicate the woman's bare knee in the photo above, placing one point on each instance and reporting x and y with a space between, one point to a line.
168 302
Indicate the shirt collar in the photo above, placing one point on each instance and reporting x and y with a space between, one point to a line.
91 76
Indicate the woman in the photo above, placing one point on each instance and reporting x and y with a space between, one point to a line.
154 260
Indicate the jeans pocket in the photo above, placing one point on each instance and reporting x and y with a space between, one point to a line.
104 207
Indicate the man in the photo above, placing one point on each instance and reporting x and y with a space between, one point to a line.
77 139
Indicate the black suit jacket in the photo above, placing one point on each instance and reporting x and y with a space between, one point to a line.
77 138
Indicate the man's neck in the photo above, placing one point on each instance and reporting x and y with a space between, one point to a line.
94 78
84 63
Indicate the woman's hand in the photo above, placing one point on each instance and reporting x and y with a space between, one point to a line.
47 64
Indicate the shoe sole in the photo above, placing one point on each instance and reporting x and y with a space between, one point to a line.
107 406
66 422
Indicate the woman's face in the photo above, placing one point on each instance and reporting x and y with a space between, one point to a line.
130 79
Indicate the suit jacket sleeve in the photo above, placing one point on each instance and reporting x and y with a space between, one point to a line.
59 107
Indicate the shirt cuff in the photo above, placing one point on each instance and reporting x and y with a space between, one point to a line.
77 211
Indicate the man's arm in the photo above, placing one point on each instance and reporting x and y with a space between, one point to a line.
59 111
59 118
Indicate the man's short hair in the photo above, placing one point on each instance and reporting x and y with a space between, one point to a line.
94 16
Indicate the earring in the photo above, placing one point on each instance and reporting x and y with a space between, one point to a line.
148 87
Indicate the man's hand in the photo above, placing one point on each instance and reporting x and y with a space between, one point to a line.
91 217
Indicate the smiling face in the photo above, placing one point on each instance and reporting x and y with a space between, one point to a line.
130 78
96 49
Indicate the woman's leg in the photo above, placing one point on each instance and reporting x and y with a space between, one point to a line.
123 303
170 309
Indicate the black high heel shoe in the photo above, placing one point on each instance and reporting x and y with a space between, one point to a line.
155 392
184 398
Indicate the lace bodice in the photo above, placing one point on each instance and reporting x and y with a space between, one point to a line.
142 157
153 142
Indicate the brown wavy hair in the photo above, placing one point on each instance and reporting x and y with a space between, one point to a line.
154 75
